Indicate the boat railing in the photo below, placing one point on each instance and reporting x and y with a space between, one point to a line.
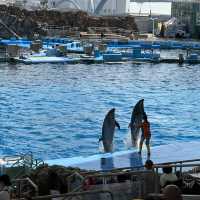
76 194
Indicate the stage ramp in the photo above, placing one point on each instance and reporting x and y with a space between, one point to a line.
131 159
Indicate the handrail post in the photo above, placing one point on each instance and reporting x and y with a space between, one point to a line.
181 168
157 182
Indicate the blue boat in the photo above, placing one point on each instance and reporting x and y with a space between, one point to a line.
49 56
193 58
74 47
49 42
25 43
112 56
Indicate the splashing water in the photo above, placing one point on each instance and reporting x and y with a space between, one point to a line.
128 140
101 148
129 143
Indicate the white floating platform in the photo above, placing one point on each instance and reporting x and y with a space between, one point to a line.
160 154
46 59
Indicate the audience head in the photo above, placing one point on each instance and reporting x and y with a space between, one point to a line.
172 192
167 170
149 164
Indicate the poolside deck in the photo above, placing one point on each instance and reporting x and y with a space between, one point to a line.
130 158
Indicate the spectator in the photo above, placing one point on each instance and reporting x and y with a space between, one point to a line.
149 165
167 176
4 187
172 192
149 178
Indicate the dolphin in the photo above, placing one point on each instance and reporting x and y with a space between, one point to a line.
136 120
108 130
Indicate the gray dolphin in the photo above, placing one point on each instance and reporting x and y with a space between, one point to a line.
136 120
108 130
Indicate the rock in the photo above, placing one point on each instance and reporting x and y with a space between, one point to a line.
27 23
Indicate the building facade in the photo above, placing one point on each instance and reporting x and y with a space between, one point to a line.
98 7
102 7
188 13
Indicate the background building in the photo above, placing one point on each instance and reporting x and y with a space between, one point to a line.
100 7
188 13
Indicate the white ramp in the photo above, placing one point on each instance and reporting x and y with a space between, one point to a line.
130 158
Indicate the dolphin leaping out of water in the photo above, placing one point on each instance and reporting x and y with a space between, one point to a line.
108 130
136 120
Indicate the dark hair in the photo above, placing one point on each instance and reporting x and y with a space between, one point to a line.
149 164
172 192
5 179
167 170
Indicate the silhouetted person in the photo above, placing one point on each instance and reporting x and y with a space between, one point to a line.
149 178
167 176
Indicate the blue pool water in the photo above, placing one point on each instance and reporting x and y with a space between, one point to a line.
57 110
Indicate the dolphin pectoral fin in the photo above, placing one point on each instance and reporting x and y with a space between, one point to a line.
117 125
100 139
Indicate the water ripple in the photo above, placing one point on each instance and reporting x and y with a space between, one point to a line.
57 110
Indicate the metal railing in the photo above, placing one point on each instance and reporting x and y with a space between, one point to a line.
67 195
26 181
141 167
175 166
21 160
133 176
23 163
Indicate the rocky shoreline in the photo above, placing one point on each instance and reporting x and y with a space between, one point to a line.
26 23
